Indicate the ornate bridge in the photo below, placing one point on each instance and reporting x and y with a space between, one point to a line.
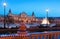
50 35
43 35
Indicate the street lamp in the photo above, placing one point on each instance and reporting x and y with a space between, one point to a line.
47 12
4 4
47 15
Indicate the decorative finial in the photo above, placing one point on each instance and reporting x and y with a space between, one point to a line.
9 10
32 13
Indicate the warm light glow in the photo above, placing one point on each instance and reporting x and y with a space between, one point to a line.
36 19
45 21
4 3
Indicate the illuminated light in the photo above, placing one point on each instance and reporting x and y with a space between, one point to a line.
33 19
45 21
19 19
29 20
4 3
45 32
36 19
47 10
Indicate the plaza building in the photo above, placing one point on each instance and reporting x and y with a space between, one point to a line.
22 17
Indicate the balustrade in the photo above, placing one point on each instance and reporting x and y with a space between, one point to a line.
31 36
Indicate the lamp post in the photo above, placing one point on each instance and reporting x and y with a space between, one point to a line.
47 15
4 4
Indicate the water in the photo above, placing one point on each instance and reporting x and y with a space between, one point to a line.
28 25
14 25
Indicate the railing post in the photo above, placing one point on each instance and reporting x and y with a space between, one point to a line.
40 36
26 37
55 36
50 36
36 37
32 37
44 36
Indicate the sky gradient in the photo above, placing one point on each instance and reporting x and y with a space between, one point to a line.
28 6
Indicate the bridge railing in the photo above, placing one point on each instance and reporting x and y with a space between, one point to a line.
51 35
14 37
35 36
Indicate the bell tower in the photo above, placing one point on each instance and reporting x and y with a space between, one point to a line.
9 10
9 13
33 14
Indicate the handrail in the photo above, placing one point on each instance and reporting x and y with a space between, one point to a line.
48 35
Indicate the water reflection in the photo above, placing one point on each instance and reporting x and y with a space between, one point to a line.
17 24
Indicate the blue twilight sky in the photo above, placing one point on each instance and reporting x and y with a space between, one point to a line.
28 6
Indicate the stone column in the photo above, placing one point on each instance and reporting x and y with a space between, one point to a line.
32 37
40 36
36 37
45 36
50 36
56 36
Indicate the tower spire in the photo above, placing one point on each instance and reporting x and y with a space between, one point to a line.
9 13
32 13
9 10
